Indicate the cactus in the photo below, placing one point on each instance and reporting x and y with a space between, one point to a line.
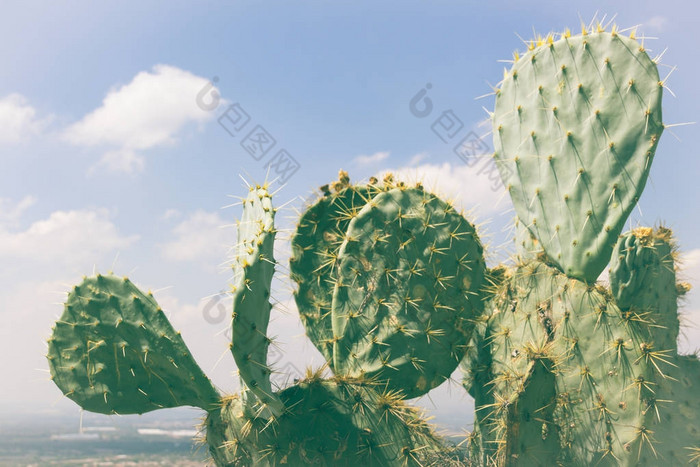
407 290
393 291
315 247
114 351
576 125
389 275
565 371
339 421
370 292
254 266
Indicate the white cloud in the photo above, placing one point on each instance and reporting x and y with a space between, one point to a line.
200 237
690 265
10 214
42 261
477 189
18 119
416 159
148 112
364 160
690 309
170 214
656 23
120 160
28 309
66 237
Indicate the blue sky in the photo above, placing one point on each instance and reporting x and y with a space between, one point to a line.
109 161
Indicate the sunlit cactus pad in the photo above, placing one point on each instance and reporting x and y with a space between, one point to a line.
253 268
114 351
575 127
408 291
315 245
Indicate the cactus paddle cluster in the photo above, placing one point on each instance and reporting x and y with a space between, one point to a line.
390 282
393 290
566 371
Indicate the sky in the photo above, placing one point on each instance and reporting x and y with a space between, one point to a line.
127 128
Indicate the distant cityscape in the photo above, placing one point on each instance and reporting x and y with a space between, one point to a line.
61 440
165 438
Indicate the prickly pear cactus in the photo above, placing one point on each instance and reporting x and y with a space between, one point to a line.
565 371
389 277
393 291
114 351
339 421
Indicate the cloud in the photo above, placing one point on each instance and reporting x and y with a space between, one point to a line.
364 160
690 307
18 120
42 261
656 23
10 214
120 160
65 237
148 112
690 265
170 214
477 189
200 237
27 311
416 159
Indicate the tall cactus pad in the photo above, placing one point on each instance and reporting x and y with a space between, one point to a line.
253 267
315 247
576 125
114 351
338 422
408 291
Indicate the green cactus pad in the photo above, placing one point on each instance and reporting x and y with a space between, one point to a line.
408 291
114 351
338 422
575 126
532 439
254 266
315 246
643 281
